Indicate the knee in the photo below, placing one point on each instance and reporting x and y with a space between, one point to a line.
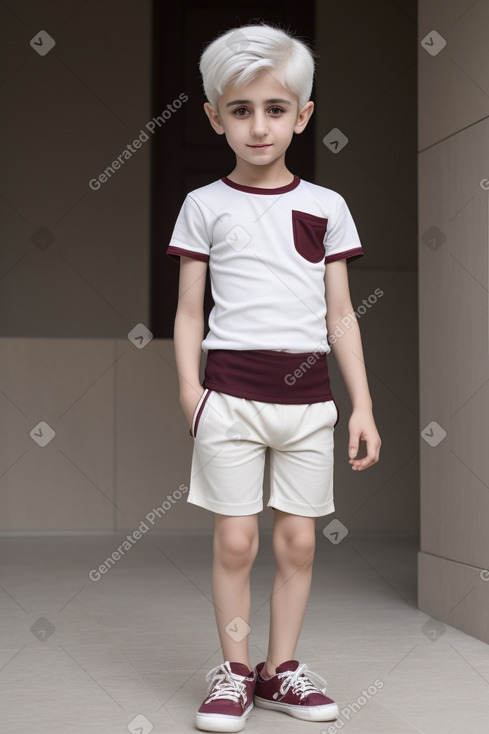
296 549
237 549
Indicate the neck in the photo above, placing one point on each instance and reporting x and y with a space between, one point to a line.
265 177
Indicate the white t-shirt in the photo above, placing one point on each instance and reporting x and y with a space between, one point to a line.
267 251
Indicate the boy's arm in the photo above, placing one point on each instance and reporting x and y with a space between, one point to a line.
348 352
189 332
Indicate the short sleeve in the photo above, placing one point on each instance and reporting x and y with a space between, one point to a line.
190 237
341 240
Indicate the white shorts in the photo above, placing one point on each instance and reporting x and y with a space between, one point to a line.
231 436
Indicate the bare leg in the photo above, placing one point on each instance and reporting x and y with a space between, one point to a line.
293 544
235 549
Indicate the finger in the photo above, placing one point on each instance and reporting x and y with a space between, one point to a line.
362 464
371 458
353 445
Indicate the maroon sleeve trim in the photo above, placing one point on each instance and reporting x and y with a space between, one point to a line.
176 252
349 255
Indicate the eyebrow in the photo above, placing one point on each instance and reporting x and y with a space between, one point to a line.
267 101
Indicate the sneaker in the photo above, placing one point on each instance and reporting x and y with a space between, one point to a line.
229 699
293 691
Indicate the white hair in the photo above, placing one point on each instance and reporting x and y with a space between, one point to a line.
240 55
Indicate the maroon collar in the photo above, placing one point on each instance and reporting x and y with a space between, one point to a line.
257 190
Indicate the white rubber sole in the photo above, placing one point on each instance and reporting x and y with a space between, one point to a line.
221 722
306 713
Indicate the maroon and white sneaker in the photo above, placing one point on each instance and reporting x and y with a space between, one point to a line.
229 699
293 691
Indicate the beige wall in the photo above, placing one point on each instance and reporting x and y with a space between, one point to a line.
121 444
453 280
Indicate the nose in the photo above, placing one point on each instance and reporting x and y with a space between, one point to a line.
259 125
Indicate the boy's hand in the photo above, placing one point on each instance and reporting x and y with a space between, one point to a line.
188 400
362 428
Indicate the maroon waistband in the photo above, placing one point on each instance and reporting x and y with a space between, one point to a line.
268 375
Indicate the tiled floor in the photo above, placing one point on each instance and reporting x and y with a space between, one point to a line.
89 656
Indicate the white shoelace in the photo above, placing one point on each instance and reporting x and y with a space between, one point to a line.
300 682
225 684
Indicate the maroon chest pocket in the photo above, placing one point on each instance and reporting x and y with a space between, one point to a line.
309 231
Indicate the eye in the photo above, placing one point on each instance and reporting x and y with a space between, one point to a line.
275 111
240 112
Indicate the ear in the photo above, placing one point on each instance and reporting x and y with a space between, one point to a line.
214 119
303 117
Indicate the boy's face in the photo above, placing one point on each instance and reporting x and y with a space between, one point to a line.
259 119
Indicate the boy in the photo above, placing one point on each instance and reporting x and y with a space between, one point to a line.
277 248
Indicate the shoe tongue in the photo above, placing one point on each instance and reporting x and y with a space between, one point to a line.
239 669
288 665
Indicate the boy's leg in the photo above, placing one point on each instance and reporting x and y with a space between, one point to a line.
235 549
294 545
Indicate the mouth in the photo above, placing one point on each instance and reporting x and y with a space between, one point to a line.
263 145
